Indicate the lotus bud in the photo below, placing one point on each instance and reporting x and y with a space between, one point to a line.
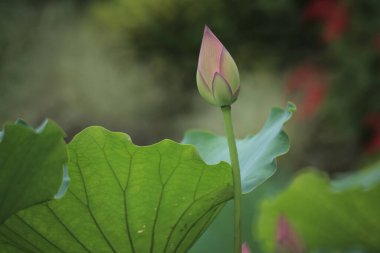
217 74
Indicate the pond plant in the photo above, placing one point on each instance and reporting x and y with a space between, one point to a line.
103 193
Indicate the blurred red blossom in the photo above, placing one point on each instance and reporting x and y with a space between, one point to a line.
287 239
333 14
306 85
376 43
372 122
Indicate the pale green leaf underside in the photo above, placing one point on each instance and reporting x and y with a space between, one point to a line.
257 153
31 165
324 218
364 179
124 198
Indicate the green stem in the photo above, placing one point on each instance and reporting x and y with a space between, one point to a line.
236 176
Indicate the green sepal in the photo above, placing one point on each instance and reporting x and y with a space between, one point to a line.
222 92
204 90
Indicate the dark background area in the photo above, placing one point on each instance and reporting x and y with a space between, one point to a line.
129 65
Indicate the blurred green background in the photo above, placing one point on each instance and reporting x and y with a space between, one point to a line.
130 66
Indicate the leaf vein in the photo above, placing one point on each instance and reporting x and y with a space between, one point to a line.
211 209
38 233
67 229
88 203
125 201
14 243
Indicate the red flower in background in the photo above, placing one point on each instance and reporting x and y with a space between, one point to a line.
376 43
333 14
306 85
372 122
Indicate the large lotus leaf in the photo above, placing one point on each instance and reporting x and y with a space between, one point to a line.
124 198
31 165
327 219
257 154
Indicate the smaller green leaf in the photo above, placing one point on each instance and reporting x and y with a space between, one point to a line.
257 153
326 219
31 163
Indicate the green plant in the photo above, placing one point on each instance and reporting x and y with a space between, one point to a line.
338 215
128 198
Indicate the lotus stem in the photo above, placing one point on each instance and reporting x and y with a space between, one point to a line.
236 176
